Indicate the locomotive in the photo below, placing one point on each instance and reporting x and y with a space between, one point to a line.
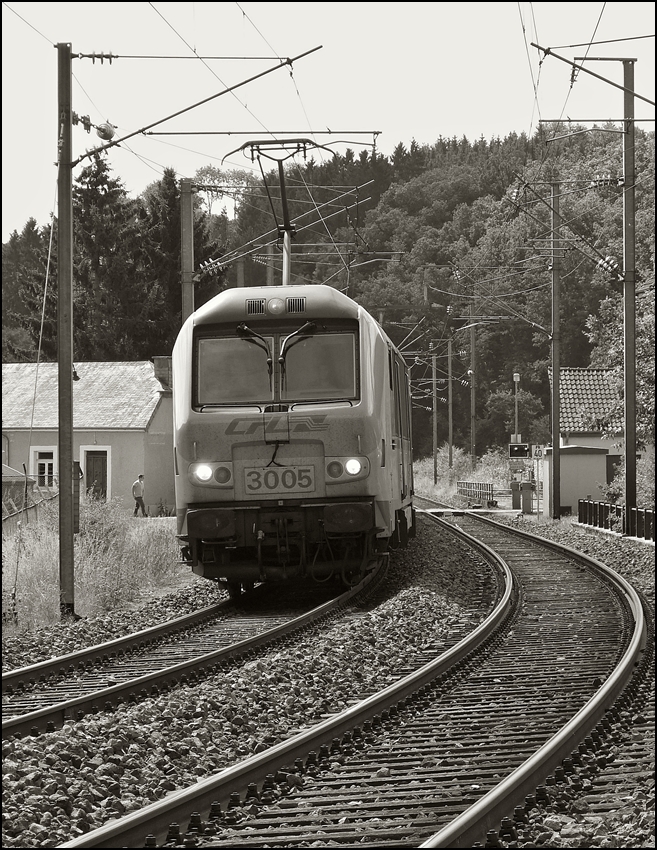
292 438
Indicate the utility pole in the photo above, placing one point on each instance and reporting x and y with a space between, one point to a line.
270 265
287 228
473 438
65 330
434 399
629 298
555 489
629 271
450 436
187 247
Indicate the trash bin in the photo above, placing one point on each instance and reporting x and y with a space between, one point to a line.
526 490
515 495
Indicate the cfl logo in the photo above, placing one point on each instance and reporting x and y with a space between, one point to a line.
246 427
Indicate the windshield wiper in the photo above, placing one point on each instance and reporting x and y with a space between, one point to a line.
245 329
309 326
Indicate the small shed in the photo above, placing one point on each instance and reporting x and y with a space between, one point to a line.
122 426
587 397
582 470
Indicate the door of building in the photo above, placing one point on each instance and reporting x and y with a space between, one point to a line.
95 474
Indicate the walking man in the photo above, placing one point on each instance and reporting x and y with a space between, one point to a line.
138 496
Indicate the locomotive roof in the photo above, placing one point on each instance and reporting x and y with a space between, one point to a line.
303 302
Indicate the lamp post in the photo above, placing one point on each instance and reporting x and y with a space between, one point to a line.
516 381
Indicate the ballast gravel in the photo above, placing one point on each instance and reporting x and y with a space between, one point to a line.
64 783
23 649
568 820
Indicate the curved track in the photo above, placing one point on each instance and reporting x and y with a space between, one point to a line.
443 755
46 695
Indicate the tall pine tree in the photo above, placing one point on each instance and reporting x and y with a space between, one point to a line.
108 268
24 264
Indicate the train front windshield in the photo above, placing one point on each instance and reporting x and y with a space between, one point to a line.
251 369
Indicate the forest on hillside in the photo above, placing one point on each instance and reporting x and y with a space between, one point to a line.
432 240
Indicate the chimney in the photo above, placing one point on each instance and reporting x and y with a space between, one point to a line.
162 368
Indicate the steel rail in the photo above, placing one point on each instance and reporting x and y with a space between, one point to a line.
81 658
487 813
59 713
177 806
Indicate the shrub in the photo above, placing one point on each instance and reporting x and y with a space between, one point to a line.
645 481
493 468
116 557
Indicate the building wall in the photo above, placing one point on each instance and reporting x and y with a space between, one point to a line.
581 469
129 453
158 460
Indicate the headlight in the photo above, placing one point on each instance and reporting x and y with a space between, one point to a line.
276 306
334 469
343 470
222 475
211 474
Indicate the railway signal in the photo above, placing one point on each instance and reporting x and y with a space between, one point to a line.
518 450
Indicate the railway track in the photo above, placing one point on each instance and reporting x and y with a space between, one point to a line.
44 696
441 757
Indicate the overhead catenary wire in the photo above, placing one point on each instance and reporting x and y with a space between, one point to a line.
235 254
574 72
196 56
194 105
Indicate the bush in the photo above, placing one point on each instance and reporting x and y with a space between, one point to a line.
645 481
493 468
117 557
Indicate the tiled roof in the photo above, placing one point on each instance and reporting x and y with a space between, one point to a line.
108 395
586 397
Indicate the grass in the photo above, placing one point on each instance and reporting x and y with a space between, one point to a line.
492 468
117 557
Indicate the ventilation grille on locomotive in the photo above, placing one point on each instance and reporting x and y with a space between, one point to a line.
255 307
296 305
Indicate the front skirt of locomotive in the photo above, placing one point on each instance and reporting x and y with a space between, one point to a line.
282 540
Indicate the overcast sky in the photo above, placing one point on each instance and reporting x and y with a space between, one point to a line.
408 70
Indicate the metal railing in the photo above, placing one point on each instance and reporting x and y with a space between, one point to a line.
482 492
637 522
476 490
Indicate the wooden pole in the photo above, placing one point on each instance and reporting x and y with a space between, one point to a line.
65 331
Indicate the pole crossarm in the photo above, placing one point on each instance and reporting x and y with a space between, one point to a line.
549 52
561 222
281 64
250 132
